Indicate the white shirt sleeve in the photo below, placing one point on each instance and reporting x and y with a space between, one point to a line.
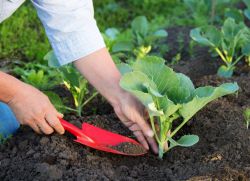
70 27
8 7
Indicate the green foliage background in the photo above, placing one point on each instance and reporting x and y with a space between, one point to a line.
22 36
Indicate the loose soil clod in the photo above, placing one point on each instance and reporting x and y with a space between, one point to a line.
129 148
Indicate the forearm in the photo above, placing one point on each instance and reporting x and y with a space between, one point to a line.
8 87
99 69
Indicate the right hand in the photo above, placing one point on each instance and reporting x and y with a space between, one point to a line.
34 109
132 114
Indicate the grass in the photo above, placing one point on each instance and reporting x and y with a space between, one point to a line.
22 36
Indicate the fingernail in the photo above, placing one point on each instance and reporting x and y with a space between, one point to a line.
150 133
146 147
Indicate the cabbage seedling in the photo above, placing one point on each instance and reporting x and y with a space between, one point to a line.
136 42
231 43
75 83
247 116
169 96
247 11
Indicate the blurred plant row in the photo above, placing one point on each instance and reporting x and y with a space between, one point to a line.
132 29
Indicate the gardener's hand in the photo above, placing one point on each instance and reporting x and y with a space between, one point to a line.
34 109
99 69
131 112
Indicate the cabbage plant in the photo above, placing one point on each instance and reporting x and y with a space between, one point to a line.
246 114
231 43
138 41
247 10
74 82
169 96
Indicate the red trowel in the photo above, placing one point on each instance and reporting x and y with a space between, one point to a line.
104 140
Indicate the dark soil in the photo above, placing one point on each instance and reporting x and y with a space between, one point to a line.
195 61
129 148
242 6
223 152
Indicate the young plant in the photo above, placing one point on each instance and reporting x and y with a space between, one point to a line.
136 42
247 116
199 11
231 43
144 39
4 139
247 52
118 44
75 83
78 87
204 12
169 96
35 78
247 11
37 75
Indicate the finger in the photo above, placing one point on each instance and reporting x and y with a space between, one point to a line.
54 123
35 127
134 127
146 115
53 109
150 140
60 115
136 130
147 131
153 145
140 137
44 126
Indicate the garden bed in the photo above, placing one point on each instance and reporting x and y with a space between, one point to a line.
222 152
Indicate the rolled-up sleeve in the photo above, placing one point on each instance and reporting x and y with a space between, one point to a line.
70 27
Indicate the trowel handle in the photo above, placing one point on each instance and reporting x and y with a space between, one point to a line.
75 130
71 128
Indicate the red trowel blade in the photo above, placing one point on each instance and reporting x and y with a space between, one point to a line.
101 139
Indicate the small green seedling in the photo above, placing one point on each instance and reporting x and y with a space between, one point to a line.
199 10
75 83
43 78
136 42
247 116
231 43
169 97
204 12
247 11
36 78
37 75
248 60
144 38
4 139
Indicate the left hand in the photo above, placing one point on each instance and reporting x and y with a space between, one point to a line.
99 69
